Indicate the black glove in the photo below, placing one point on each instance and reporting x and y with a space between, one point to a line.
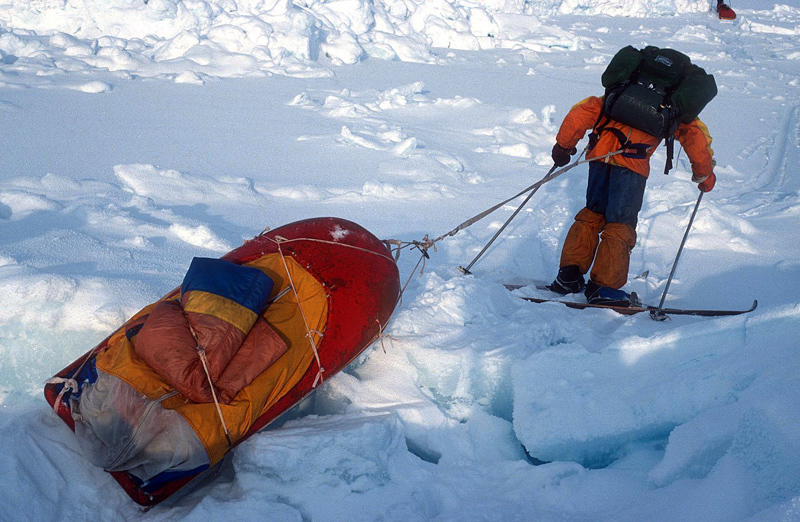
561 155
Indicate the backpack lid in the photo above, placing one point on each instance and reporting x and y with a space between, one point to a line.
622 66
665 68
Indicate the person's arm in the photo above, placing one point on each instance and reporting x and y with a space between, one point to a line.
696 141
580 118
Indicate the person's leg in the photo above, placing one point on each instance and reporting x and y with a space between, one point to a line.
625 196
580 245
611 265
582 239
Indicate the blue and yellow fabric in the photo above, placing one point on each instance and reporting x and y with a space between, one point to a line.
219 304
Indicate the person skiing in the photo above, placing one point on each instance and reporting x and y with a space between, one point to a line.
604 232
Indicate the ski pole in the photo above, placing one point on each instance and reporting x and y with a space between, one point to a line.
658 314
465 270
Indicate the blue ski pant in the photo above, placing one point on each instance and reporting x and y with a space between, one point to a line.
604 232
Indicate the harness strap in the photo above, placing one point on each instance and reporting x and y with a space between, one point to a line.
627 148
637 150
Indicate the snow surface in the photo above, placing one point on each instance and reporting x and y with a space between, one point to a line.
137 135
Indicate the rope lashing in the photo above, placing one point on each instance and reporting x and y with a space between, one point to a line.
282 240
382 335
397 243
279 240
69 385
201 352
423 246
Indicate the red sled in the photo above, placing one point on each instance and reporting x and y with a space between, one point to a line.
725 12
336 287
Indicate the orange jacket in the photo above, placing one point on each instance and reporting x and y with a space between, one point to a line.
694 138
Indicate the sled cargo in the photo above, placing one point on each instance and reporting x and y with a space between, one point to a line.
335 288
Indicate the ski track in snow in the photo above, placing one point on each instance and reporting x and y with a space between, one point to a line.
409 118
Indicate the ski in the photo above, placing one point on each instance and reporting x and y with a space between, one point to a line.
637 309
539 286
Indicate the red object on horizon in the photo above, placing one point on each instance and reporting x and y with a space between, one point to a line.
725 12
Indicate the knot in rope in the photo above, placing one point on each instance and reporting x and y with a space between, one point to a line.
424 245
69 385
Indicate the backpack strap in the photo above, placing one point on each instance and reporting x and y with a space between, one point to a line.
594 136
670 143
633 150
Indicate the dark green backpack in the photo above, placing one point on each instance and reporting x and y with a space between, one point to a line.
654 90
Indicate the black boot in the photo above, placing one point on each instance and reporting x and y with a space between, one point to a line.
569 280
